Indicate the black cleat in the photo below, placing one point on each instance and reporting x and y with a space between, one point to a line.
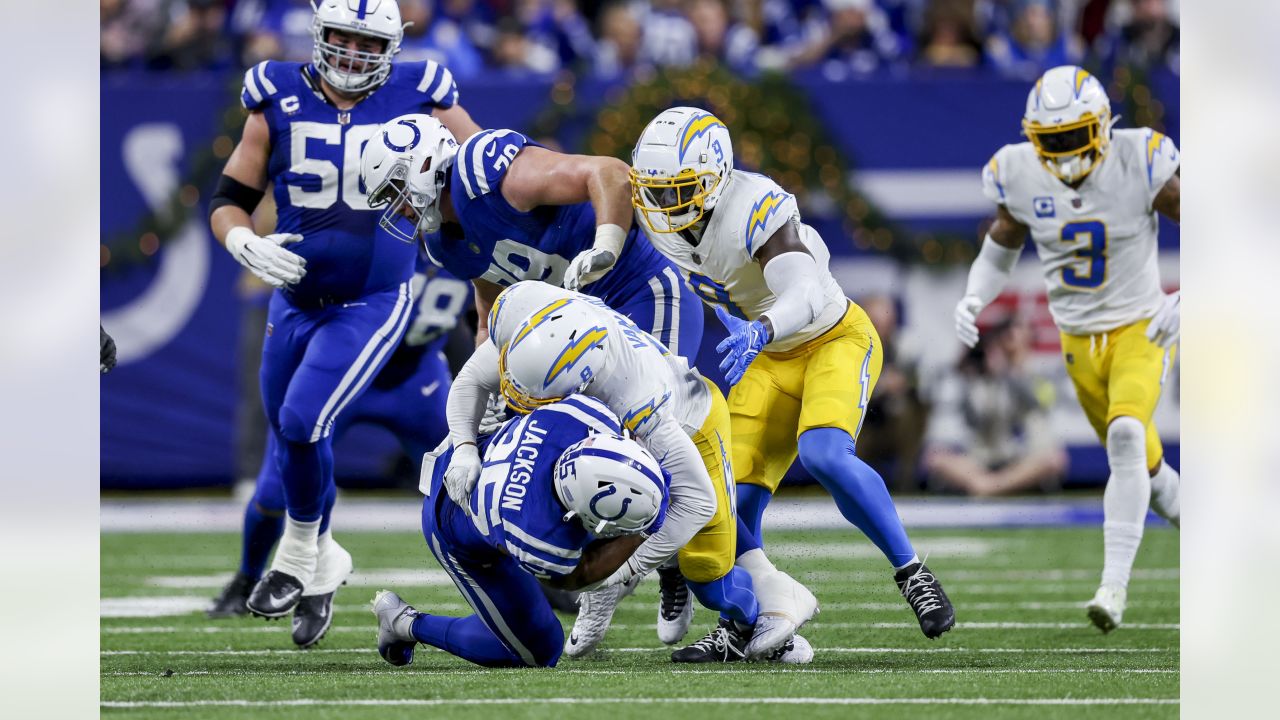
924 594
275 595
312 618
566 601
726 643
230 602
675 612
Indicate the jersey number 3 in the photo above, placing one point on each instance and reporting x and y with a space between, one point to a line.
1094 234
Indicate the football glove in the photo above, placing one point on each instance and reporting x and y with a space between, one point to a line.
1166 325
461 475
745 341
589 266
107 358
266 257
967 319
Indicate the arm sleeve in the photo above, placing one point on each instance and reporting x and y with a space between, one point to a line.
991 270
470 393
693 500
796 283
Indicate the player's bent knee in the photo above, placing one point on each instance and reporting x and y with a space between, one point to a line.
1126 435
295 427
705 567
822 450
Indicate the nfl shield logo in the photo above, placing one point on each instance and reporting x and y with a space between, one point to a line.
1043 207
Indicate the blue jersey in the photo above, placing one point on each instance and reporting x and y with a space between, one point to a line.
439 300
314 168
504 245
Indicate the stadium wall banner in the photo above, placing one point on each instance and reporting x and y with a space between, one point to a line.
168 290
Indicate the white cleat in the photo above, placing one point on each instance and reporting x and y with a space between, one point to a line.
796 651
1107 607
785 606
333 567
675 611
595 611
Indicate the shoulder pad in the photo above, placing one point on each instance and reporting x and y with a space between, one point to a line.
437 83
1161 156
484 158
259 88
767 207
995 176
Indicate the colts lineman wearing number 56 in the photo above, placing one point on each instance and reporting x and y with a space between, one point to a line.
342 298
1088 196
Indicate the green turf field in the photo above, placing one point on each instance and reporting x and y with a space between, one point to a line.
1022 647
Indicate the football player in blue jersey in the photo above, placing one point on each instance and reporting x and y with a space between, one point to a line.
563 499
514 210
407 398
342 297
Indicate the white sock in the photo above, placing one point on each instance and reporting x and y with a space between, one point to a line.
1126 499
914 559
1165 494
757 565
299 546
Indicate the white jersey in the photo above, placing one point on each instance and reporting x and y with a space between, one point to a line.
722 268
1097 243
640 380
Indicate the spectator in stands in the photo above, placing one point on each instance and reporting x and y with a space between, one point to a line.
948 38
478 20
988 431
855 41
618 52
1034 42
719 39
194 39
560 27
893 431
1150 39
439 38
129 29
515 54
669 37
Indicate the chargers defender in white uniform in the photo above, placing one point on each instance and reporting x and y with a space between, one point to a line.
546 343
802 358
1088 197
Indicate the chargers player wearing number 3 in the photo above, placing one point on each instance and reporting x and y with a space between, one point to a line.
1088 196
801 357
342 298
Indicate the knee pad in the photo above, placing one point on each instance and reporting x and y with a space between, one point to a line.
824 448
1126 438
294 427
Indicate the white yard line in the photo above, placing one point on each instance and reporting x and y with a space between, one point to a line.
371 628
772 669
869 650
414 702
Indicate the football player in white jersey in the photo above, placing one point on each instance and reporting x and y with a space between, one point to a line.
1088 196
801 357
546 343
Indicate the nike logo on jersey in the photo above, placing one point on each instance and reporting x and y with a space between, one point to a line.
428 389
491 150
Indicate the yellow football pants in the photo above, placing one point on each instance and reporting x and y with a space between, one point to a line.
1119 373
710 554
825 382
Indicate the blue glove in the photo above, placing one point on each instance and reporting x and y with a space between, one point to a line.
745 341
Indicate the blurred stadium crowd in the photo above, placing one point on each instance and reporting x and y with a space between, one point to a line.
841 39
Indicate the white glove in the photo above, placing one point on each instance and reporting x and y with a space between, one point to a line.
589 266
265 256
462 473
1166 324
967 319
494 415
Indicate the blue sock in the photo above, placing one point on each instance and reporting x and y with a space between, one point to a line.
731 595
467 637
263 517
752 500
859 491
747 541
307 472
329 498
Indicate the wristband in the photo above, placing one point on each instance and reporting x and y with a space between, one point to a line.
610 237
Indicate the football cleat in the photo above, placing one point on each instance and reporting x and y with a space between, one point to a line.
395 628
1107 607
595 610
796 651
924 594
675 612
566 601
230 602
727 642
275 595
311 619
785 606
333 566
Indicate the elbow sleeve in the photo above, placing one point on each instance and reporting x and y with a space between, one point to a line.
796 282
233 192
991 270
470 392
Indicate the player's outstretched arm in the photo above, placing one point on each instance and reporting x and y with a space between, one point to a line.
240 189
1168 201
468 396
486 294
542 177
794 278
600 560
989 272
458 120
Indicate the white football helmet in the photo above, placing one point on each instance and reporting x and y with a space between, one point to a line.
1068 120
348 70
679 168
611 484
406 164
553 353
